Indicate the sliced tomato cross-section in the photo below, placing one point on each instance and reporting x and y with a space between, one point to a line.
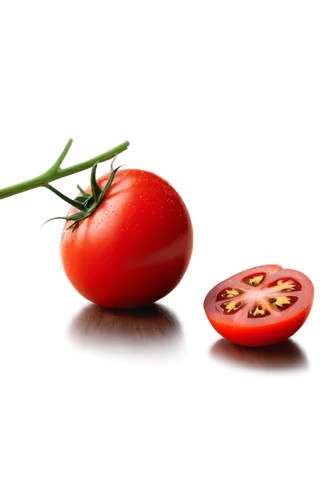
260 306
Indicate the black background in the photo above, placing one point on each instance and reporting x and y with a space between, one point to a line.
249 186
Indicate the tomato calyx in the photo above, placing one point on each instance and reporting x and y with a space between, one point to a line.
84 202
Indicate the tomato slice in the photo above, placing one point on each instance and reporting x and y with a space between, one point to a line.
260 306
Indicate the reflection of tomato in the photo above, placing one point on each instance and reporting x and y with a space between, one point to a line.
286 359
260 306
153 335
135 248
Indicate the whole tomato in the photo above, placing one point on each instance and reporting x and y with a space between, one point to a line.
135 247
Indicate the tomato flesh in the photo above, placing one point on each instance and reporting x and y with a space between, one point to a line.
135 248
260 306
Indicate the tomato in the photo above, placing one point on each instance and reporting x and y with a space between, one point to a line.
149 335
135 247
286 359
260 306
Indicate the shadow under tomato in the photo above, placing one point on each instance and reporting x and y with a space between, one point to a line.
147 328
282 356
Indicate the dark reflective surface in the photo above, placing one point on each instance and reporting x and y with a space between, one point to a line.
286 355
149 327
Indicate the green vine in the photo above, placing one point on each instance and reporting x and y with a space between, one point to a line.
56 172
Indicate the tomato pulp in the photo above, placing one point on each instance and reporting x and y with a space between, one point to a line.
260 306
135 248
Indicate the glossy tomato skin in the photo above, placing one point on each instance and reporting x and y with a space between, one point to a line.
135 248
249 332
262 336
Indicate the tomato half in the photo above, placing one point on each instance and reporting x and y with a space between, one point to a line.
135 248
260 306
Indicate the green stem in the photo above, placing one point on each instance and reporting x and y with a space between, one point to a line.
61 158
55 172
74 203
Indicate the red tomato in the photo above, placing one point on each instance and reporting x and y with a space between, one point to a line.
260 306
135 248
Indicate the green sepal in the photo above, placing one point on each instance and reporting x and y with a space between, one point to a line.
95 189
82 199
82 191
84 202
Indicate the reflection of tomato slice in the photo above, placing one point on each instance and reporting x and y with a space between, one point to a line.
286 359
151 335
260 306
